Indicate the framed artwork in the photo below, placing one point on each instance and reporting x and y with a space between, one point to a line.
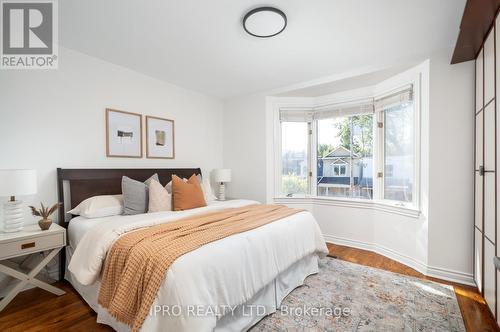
160 142
123 134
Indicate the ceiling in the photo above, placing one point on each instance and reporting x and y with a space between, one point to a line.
351 82
201 45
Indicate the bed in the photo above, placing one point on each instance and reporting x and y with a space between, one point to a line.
226 285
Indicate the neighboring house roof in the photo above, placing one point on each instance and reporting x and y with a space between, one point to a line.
340 151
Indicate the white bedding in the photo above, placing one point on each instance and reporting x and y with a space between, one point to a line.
227 272
79 226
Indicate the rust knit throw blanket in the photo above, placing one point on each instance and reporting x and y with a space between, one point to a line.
138 261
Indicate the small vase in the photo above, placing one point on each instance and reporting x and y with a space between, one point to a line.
45 224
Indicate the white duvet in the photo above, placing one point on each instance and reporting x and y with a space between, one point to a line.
220 274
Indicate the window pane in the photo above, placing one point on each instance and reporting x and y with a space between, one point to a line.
399 153
294 156
345 157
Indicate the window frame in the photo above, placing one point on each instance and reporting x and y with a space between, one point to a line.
373 168
415 204
306 104
279 182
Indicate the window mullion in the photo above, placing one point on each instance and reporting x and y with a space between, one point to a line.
351 156
313 142
378 183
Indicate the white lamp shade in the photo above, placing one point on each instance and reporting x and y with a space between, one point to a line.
222 175
17 182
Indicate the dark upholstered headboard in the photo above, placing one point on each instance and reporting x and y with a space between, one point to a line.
76 185
85 183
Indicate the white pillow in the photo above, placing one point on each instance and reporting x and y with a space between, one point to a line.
159 198
207 190
205 186
99 206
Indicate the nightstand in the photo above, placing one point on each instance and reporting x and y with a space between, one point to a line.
29 241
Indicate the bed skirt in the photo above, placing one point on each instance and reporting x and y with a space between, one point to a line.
241 318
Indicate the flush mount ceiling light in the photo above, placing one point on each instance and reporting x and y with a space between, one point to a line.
264 22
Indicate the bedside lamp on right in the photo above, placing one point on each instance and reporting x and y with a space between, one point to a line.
222 176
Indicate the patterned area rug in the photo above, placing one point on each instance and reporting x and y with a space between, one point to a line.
349 297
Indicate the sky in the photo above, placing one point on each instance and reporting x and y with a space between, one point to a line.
295 134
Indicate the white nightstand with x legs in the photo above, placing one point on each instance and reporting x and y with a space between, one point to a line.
29 241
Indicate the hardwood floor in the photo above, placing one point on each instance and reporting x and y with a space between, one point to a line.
37 310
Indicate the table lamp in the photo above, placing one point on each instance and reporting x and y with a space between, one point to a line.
222 176
15 182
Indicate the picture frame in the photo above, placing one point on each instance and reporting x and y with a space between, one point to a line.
160 138
123 134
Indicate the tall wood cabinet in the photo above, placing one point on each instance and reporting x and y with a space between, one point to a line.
486 180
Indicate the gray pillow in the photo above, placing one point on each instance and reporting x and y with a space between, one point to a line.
136 195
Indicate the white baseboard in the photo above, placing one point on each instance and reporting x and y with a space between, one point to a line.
431 271
451 275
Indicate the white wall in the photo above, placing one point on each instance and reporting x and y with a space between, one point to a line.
245 146
451 159
439 242
55 118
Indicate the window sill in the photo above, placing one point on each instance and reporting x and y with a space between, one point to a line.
384 206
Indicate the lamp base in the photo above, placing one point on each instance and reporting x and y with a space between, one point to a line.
222 192
13 216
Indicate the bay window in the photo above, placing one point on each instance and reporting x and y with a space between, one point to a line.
363 150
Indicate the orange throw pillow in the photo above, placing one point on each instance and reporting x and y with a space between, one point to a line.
187 195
